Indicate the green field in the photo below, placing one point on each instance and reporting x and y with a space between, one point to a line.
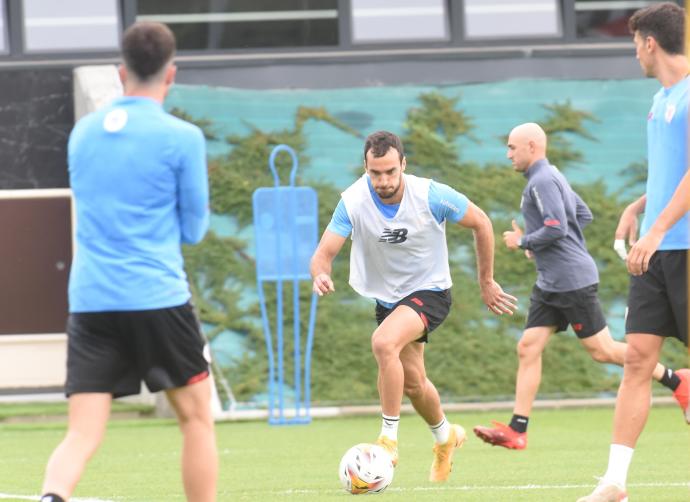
139 460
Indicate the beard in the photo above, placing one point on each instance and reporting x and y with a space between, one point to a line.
389 193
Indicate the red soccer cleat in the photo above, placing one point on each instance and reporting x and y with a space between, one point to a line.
682 393
502 435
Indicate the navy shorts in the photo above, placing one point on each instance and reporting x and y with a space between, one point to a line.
113 352
431 306
658 299
580 308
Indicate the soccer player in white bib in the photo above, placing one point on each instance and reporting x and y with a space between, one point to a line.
399 257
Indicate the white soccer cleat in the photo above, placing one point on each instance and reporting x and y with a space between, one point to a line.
606 492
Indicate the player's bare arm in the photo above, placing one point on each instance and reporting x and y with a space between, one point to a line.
322 261
642 250
627 228
497 301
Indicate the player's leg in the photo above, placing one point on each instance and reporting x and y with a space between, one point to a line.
632 409
657 308
401 327
530 349
422 312
543 319
98 367
635 392
604 349
173 357
88 417
587 318
411 319
397 328
427 402
192 405
418 388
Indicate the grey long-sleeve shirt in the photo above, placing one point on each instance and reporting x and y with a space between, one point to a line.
554 218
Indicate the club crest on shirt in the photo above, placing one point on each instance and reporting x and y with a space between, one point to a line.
670 112
115 120
393 235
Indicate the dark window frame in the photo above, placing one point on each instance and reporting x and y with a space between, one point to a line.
457 40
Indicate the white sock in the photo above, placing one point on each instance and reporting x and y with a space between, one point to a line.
619 462
389 427
441 431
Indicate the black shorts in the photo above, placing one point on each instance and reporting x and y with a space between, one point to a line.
432 307
658 299
580 308
113 352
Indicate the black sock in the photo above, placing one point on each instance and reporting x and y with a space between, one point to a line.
51 497
519 423
670 379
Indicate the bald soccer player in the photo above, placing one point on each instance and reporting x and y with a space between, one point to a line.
567 280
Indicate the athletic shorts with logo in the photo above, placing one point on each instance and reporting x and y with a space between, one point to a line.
579 308
431 306
113 352
658 299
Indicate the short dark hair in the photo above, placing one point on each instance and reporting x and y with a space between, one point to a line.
146 48
665 22
380 142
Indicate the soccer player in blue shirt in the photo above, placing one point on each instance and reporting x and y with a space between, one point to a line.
657 262
140 187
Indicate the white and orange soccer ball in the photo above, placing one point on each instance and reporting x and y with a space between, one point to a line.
366 468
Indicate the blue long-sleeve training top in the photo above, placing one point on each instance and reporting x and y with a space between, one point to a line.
140 187
554 218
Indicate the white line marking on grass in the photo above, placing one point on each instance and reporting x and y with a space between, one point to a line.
38 497
471 488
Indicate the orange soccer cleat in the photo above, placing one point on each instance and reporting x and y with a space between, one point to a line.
390 446
502 435
443 454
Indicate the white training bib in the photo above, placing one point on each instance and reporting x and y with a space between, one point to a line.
392 258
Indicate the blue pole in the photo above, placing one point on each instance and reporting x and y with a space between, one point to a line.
279 313
269 349
307 356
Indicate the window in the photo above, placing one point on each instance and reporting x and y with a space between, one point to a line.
3 30
597 18
399 21
486 19
244 24
70 25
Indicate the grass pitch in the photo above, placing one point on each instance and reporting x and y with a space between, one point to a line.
139 460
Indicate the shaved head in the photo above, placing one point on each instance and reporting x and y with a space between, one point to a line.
530 131
526 145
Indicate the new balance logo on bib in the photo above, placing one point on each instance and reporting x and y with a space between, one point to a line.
393 235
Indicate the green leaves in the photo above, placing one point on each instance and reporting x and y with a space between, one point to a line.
472 355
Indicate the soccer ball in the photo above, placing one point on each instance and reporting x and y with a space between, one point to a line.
366 468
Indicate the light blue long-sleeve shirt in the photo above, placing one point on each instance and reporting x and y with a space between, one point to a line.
140 188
